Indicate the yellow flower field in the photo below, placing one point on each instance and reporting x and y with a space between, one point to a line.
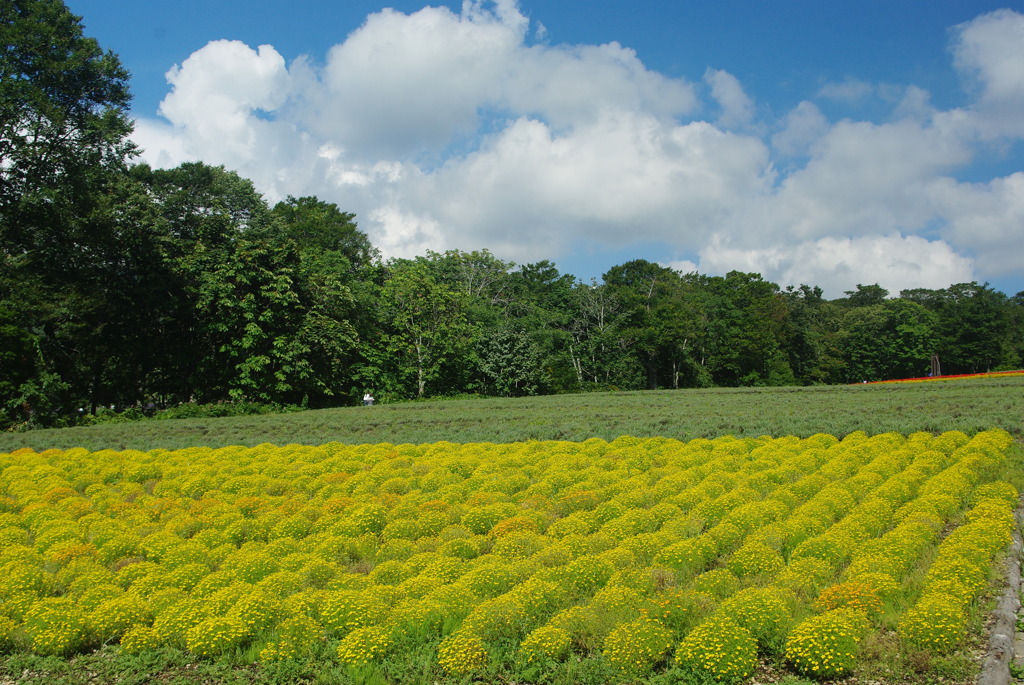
642 554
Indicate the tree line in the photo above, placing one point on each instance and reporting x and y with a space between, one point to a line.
127 286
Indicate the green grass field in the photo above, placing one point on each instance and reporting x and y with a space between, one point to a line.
967 405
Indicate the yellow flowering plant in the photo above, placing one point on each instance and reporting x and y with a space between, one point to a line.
634 648
551 546
719 648
545 643
363 645
825 646
462 653
937 623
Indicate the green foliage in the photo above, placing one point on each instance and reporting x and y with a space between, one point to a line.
126 290
894 339
426 331
510 363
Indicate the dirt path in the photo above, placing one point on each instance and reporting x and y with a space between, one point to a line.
1006 644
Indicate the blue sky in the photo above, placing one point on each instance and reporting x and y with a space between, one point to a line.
824 143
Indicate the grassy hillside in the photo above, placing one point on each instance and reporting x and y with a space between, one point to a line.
968 405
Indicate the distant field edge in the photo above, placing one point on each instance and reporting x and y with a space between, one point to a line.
959 376
967 405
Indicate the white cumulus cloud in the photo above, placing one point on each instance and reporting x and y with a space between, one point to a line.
446 130
893 261
737 107
989 51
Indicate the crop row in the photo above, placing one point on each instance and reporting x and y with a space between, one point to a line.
644 553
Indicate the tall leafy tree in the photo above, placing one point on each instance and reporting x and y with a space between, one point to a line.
63 122
541 303
654 318
864 296
63 146
749 321
973 326
1015 317
476 274
319 228
600 356
266 339
811 335
426 332
263 303
510 362
894 339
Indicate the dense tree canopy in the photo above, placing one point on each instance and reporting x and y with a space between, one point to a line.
126 286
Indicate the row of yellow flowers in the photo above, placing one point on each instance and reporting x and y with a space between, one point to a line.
638 551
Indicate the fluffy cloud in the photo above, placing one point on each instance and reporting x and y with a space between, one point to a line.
985 219
539 190
895 262
989 51
737 107
452 130
802 127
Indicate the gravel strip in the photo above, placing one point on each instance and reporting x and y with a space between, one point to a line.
996 668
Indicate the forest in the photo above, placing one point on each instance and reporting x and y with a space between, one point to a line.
127 287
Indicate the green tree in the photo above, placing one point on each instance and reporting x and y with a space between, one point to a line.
63 120
510 363
661 318
261 300
206 205
477 274
267 340
894 339
539 301
811 336
973 326
425 330
1015 334
319 228
600 356
864 296
204 214
747 329
63 148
